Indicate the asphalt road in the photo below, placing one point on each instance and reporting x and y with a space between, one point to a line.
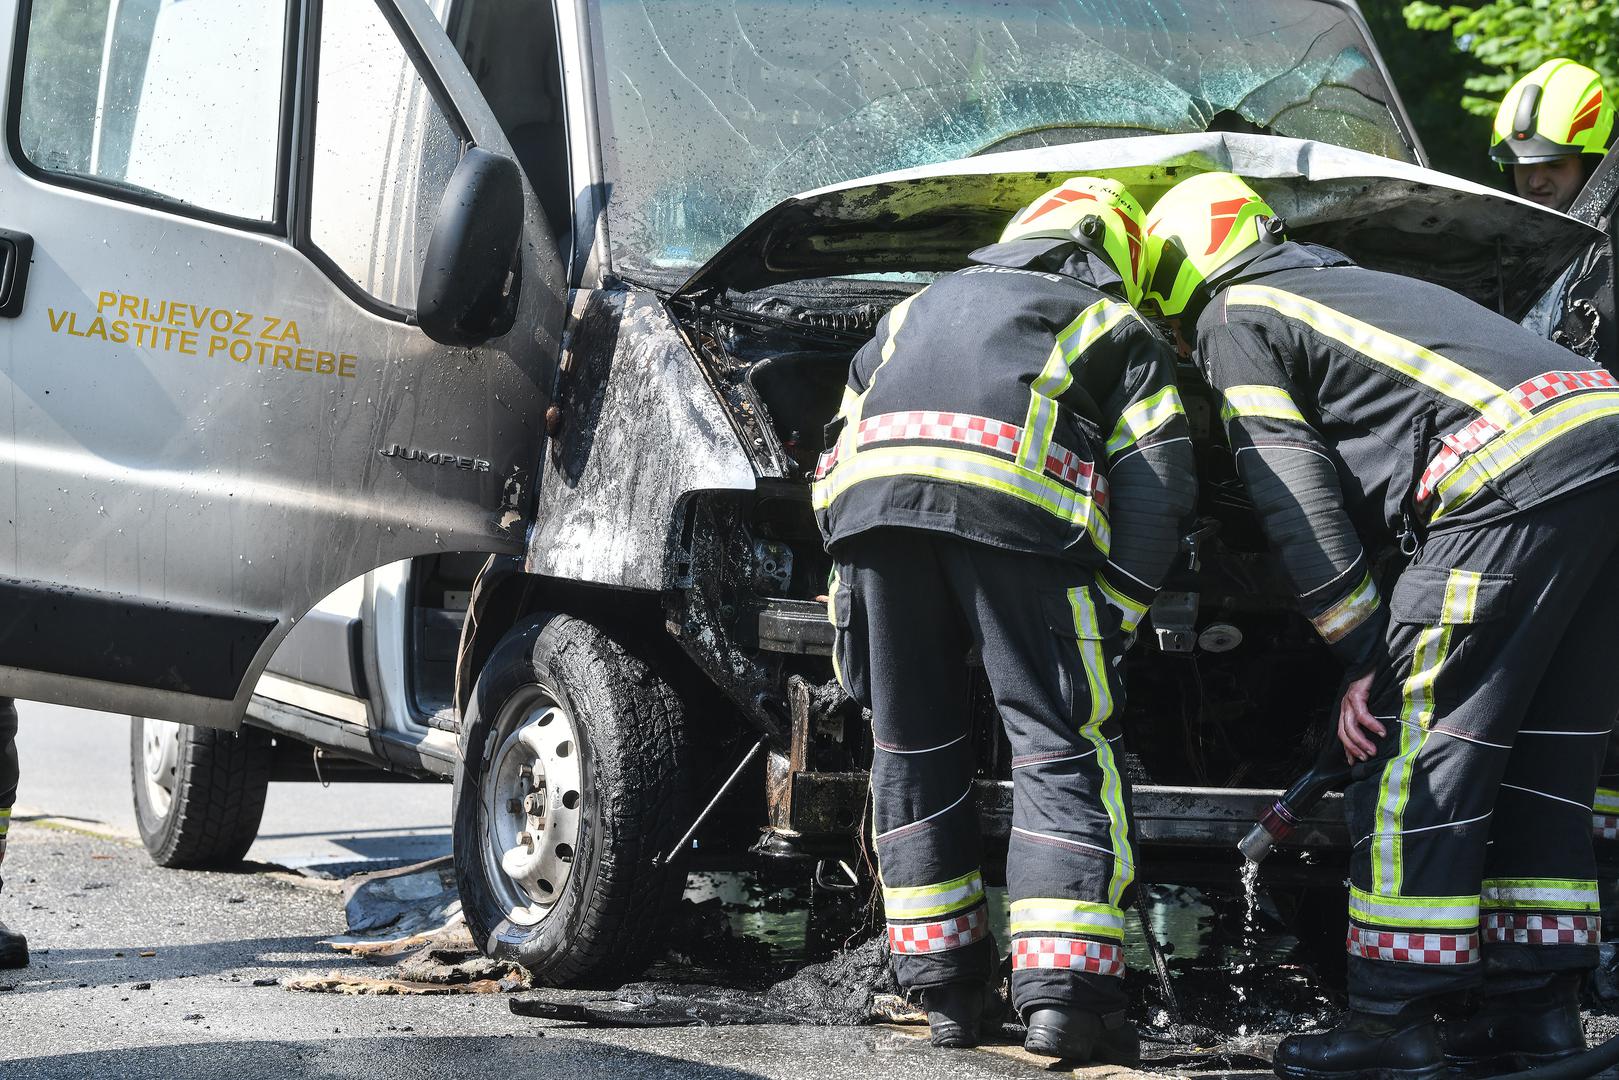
75 768
93 1006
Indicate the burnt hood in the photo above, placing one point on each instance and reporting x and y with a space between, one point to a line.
1496 248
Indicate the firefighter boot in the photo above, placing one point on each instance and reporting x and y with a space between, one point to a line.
1062 1031
955 1013
1366 1046
1517 1030
13 948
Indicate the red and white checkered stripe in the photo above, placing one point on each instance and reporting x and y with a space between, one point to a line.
1073 954
968 430
962 428
1605 827
941 935
1413 948
1542 929
1531 395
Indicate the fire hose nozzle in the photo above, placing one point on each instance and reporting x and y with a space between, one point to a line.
1257 844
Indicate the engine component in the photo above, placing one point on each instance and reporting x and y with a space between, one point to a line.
1219 637
1174 618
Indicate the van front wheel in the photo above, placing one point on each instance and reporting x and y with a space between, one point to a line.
571 786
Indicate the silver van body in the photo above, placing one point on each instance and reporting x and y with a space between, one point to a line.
249 477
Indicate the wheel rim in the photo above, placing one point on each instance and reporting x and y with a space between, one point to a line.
160 763
533 805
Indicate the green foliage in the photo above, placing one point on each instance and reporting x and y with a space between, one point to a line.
1510 38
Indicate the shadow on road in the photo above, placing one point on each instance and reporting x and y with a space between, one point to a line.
452 1058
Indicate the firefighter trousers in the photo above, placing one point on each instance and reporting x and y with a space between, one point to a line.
1605 838
8 768
1473 859
908 607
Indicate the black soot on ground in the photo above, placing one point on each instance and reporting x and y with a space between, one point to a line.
747 951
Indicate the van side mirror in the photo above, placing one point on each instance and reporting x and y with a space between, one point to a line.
470 279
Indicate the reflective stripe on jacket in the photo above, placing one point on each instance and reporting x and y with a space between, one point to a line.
1361 404
1019 407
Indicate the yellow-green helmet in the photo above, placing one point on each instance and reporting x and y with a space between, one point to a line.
1101 215
1556 110
1196 229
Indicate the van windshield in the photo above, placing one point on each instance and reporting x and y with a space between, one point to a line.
712 111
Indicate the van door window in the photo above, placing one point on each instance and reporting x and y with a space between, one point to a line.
157 100
383 155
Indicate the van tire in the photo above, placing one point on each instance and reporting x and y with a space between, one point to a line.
217 783
611 916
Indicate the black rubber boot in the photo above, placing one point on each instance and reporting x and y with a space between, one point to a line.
955 1013
1366 1046
13 949
1063 1031
1517 1030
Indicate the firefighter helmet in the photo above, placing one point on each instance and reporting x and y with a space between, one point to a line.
1556 110
1197 229
1101 215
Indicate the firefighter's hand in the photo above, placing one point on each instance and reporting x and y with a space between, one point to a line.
1356 724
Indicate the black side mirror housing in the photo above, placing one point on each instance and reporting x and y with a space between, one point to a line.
469 285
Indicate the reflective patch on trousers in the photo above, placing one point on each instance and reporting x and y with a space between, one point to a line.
1436 949
1069 954
1605 826
1506 927
941 935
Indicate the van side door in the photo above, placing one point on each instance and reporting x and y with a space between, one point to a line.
217 399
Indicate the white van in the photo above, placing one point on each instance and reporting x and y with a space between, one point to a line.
435 385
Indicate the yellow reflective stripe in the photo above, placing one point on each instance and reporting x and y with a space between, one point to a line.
1518 442
1607 801
1548 894
852 409
968 467
1145 417
1054 915
1413 911
1058 375
925 901
1439 373
1416 714
1088 633
5 820
1131 611
1255 400
1041 421
1461 596
1341 619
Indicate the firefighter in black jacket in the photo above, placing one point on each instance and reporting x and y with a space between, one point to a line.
1009 470
1553 128
1366 409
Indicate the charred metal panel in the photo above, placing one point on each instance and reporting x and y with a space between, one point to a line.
1499 250
637 428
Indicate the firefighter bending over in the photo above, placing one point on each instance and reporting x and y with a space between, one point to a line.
1366 409
1009 470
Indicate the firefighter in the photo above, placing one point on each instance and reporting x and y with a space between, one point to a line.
1553 128
1367 410
1009 471
13 946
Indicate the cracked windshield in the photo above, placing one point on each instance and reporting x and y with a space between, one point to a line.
711 113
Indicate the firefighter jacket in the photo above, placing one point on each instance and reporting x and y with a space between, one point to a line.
1018 403
1364 407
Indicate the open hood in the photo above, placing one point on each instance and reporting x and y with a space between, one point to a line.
1499 250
